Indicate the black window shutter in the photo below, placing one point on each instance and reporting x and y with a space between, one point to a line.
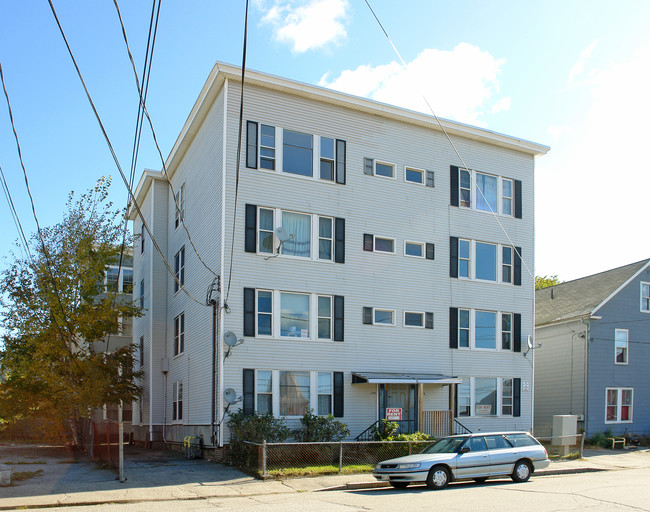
251 144
516 397
453 256
367 315
250 238
517 199
453 174
338 394
453 327
339 240
429 179
516 332
368 165
339 310
368 242
249 391
517 269
340 161
428 320
249 311
430 251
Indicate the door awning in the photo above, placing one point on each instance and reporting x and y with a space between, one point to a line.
403 378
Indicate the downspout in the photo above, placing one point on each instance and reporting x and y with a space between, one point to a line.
586 388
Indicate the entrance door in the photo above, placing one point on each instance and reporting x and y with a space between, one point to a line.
400 396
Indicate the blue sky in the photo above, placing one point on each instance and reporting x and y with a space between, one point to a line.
569 74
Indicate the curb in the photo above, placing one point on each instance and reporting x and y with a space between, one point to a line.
375 485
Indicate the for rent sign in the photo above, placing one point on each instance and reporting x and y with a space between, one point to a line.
394 414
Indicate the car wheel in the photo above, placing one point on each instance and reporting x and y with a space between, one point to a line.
438 477
481 479
521 472
399 485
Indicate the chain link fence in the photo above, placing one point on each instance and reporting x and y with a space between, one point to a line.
106 439
276 460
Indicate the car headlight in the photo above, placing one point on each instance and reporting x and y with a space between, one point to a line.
408 466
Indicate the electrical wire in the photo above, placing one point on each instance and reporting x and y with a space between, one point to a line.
14 214
239 139
155 139
117 163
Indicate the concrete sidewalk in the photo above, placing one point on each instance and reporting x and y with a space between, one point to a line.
69 479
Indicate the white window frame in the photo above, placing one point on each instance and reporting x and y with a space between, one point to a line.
619 405
473 261
391 311
502 331
179 270
177 399
503 264
179 206
504 197
318 141
313 390
627 346
275 314
374 244
277 159
498 330
179 339
422 246
645 299
474 193
260 248
318 393
330 317
258 393
499 397
469 259
423 317
120 278
388 164
319 238
502 396
423 174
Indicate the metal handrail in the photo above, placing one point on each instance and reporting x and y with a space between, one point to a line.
462 430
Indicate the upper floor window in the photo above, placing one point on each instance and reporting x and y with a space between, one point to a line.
488 330
309 235
179 206
379 168
473 259
179 334
619 405
645 297
378 243
142 238
179 269
486 192
295 152
284 314
119 280
141 352
621 342
142 294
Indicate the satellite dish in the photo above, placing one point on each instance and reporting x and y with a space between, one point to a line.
230 395
529 339
230 338
282 234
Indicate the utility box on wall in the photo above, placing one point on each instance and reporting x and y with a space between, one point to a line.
565 430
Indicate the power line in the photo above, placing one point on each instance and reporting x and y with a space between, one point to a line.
14 215
117 163
239 138
155 139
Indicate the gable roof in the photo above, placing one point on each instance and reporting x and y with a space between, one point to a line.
582 297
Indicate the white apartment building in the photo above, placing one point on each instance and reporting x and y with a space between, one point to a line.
362 267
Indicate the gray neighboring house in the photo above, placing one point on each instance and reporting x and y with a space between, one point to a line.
595 347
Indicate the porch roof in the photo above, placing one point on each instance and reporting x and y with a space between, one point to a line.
403 378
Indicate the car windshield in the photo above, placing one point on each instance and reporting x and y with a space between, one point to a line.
445 445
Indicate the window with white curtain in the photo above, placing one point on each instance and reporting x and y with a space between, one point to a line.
294 393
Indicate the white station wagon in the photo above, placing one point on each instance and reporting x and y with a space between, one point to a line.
476 456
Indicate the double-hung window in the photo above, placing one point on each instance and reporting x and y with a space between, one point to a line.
267 147
264 392
177 401
621 342
282 314
141 352
506 331
306 235
142 238
142 294
619 405
327 160
506 397
485 192
506 264
464 327
465 397
112 279
324 393
464 258
179 334
179 269
488 396
179 206
645 297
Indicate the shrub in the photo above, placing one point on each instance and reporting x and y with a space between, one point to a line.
253 428
315 428
414 437
385 430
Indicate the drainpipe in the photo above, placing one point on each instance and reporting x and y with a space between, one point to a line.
586 389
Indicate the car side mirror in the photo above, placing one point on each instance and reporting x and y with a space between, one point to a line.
465 449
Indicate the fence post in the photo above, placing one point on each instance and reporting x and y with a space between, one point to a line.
340 456
582 444
409 447
264 458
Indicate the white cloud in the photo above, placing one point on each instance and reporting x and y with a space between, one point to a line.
592 186
579 66
459 84
307 24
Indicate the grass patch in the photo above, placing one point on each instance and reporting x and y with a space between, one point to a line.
569 456
21 476
320 470
25 462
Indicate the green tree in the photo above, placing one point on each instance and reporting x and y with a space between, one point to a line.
545 281
57 317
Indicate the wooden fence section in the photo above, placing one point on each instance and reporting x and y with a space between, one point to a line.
436 423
